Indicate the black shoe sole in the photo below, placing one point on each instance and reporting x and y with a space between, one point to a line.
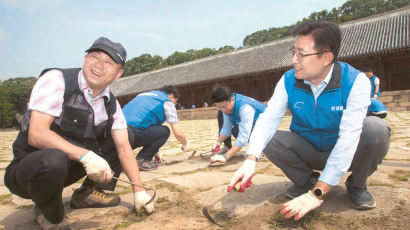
363 206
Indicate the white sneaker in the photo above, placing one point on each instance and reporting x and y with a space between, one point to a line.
47 225
223 150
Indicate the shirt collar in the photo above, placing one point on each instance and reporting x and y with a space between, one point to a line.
325 81
82 83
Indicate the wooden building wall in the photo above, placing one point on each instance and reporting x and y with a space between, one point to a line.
393 69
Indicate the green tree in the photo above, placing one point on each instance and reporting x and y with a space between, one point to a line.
19 90
350 10
7 111
141 64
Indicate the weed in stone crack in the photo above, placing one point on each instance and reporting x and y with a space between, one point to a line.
30 206
162 199
128 218
400 175
277 221
381 185
5 199
169 186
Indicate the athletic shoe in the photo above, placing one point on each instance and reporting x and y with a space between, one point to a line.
360 198
91 197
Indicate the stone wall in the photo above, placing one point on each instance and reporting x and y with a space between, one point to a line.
395 101
198 114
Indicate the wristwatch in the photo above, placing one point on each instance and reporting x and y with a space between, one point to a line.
318 193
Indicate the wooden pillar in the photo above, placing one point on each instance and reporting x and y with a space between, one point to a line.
192 98
382 64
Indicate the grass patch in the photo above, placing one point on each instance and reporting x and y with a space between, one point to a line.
163 199
263 170
30 206
381 185
277 221
5 199
169 186
390 159
203 189
129 218
125 191
400 175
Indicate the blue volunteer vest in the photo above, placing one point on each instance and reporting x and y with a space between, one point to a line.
241 100
373 91
318 120
146 109
376 106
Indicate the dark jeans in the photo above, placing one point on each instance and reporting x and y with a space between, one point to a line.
151 139
42 175
234 131
297 157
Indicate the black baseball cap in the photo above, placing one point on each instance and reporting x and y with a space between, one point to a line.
116 51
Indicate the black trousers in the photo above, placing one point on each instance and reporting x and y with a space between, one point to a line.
297 157
151 139
42 175
234 131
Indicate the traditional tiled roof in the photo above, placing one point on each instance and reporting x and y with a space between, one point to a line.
372 35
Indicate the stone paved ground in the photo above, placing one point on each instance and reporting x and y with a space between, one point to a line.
185 185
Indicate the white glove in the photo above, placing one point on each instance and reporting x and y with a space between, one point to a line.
216 147
300 206
140 198
158 158
96 167
218 158
244 175
185 147
375 96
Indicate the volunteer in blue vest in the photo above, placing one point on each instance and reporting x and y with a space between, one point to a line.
239 114
377 108
375 83
145 115
74 127
328 101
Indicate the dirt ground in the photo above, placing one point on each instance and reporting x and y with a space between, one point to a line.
185 185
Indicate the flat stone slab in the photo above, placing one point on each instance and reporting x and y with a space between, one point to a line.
11 218
265 189
337 201
200 179
181 167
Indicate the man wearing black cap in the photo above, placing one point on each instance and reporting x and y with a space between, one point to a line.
74 127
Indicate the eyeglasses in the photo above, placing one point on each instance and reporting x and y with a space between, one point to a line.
300 56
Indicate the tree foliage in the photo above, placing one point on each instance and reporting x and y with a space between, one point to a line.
14 95
350 10
7 111
19 90
146 62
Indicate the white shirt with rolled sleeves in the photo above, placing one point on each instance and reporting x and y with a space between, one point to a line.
350 126
247 113
47 97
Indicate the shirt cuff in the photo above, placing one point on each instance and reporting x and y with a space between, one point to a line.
331 176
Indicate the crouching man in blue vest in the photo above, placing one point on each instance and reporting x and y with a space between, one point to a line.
74 127
145 115
329 131
377 108
239 114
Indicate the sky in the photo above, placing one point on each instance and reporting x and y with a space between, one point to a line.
39 34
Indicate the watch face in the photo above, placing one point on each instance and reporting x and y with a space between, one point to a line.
318 192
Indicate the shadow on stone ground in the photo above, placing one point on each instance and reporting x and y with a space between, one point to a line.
185 185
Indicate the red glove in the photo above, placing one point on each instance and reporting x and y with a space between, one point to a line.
216 148
244 174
